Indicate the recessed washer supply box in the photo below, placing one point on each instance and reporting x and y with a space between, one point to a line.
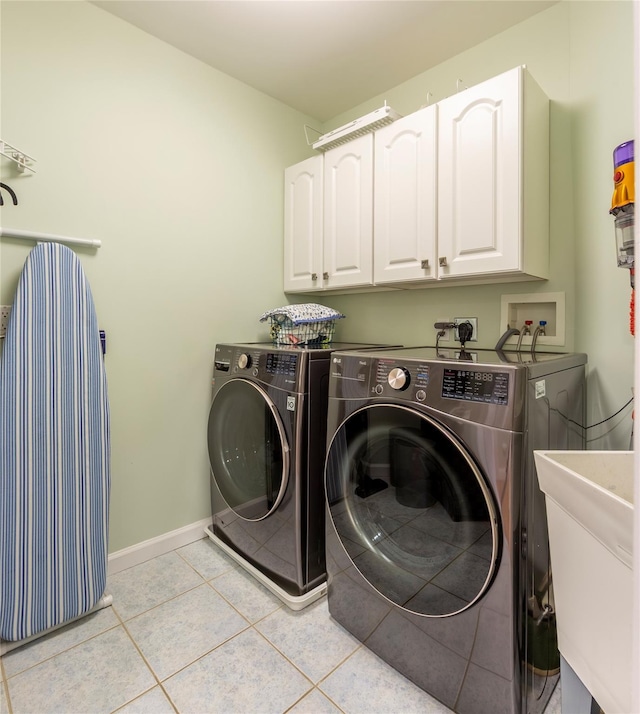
517 308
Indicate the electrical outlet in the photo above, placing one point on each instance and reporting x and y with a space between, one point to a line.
474 324
447 333
4 319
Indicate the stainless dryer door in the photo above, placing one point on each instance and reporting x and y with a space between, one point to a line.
412 510
248 451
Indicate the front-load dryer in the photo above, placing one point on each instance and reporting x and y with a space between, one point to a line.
266 442
437 547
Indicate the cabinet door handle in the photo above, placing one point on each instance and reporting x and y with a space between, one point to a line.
314 276
442 262
424 265
325 276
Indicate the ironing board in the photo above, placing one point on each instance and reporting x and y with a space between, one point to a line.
54 449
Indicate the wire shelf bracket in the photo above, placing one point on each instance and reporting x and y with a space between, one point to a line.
24 161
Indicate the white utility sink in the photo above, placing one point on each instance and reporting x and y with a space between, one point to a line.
589 499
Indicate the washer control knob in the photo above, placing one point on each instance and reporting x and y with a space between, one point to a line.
399 378
244 361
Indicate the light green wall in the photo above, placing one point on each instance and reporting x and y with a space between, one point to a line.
602 102
177 169
580 53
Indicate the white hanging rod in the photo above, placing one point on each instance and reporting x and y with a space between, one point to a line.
48 237
23 160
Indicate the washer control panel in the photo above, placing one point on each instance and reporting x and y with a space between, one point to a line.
399 378
475 385
480 391
402 381
429 382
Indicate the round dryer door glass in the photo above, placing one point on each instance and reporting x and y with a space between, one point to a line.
412 510
247 449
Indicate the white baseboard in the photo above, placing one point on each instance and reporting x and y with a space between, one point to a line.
136 554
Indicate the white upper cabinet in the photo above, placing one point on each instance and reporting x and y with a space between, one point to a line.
455 192
303 207
328 219
405 195
348 214
493 180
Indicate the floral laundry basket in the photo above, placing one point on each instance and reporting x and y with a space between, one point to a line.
307 324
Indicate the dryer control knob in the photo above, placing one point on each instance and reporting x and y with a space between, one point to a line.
399 378
244 361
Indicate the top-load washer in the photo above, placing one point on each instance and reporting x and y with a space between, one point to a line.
266 441
437 546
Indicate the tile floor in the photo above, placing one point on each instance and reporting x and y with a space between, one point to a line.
191 632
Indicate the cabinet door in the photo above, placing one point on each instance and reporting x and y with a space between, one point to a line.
303 225
405 199
348 214
480 179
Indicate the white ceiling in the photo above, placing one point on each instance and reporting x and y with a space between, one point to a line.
323 57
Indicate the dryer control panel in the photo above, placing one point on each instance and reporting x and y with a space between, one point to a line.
279 369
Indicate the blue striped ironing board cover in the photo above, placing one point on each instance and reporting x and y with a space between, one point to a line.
54 449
